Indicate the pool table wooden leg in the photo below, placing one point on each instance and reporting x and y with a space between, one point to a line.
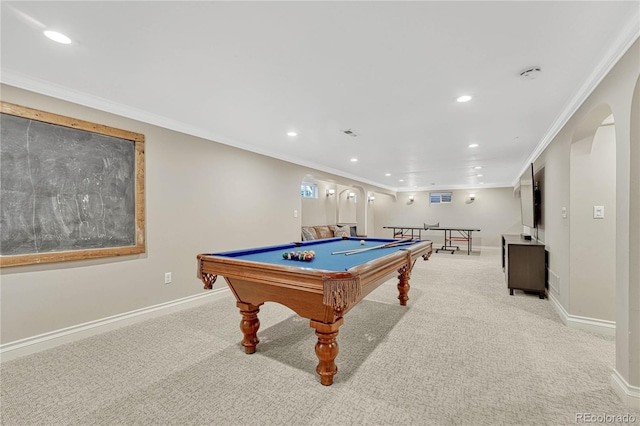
403 284
249 326
327 349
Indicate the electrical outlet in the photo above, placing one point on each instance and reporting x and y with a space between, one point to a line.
167 277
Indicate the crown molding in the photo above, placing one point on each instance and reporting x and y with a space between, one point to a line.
629 34
21 81
626 37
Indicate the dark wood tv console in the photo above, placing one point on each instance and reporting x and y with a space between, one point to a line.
524 264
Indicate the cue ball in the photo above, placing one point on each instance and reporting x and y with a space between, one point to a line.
361 242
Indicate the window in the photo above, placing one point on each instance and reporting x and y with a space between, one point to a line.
440 197
309 190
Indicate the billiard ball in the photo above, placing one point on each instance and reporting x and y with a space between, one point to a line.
361 242
299 255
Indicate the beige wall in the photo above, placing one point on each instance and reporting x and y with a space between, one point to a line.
200 197
204 197
616 92
495 211
338 208
321 210
632 297
347 206
592 262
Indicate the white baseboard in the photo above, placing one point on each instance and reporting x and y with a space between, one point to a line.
595 325
41 342
629 394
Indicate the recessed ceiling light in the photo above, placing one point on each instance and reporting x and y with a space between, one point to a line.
292 134
464 98
387 174
480 175
473 145
57 37
477 167
354 160
400 180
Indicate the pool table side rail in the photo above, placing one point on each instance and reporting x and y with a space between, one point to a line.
296 245
328 283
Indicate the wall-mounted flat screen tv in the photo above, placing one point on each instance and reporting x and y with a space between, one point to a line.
528 198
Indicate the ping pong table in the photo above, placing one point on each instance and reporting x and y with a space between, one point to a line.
451 235
404 232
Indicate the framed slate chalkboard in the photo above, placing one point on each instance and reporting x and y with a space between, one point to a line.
69 189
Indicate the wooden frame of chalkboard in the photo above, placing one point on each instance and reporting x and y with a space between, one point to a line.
69 189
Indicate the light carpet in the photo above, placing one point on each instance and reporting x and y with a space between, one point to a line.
463 352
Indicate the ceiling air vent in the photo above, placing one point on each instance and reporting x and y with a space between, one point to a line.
530 73
350 132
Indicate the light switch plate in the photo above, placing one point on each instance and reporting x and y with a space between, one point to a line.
598 212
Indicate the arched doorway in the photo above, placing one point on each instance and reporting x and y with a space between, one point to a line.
592 225
634 190
332 203
628 301
320 208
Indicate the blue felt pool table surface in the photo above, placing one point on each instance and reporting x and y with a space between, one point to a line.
323 260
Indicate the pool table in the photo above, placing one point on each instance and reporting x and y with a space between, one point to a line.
323 289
